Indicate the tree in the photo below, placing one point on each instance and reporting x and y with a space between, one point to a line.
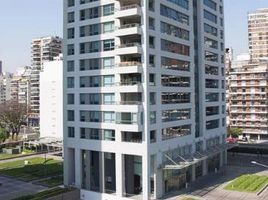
3 135
12 116
235 132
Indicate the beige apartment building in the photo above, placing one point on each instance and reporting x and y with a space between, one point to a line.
258 34
248 98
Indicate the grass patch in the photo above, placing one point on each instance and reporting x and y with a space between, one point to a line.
36 169
248 183
44 195
189 198
52 182
5 156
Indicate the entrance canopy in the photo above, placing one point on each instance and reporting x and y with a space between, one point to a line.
183 162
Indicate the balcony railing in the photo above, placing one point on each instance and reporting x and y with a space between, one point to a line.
129 83
129 7
130 63
133 25
134 44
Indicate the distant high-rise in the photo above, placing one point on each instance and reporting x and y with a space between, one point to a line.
258 34
43 49
1 67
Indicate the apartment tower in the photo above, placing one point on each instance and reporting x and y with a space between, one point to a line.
43 49
258 34
144 95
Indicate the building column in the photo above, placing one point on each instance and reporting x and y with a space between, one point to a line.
145 178
77 159
119 163
225 158
221 159
102 172
204 167
159 184
193 173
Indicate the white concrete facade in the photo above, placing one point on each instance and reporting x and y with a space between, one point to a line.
51 98
166 90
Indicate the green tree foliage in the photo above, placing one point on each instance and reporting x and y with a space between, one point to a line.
234 132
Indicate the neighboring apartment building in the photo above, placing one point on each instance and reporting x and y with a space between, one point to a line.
1 68
258 34
43 49
51 99
5 87
248 86
20 85
144 95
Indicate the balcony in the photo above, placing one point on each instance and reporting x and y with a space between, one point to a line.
129 67
128 29
133 137
129 118
129 48
128 11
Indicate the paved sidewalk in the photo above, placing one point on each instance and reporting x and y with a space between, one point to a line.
211 186
11 188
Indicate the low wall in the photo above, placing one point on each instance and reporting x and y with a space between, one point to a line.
72 195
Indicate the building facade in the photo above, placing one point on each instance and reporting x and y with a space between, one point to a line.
144 95
248 98
51 98
258 34
44 49
5 87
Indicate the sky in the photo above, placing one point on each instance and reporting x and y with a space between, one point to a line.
23 20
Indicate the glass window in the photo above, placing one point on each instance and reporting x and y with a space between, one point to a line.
108 9
211 30
70 98
71 133
174 47
108 45
71 3
108 80
209 16
70 33
70 115
70 17
70 82
153 117
108 62
70 66
109 117
211 4
109 135
70 49
173 14
108 98
108 27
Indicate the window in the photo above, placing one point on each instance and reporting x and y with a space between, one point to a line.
181 3
151 79
152 98
90 47
108 99
152 117
177 131
70 66
211 43
174 31
173 14
90 81
109 117
175 81
108 45
70 33
108 27
152 60
71 3
175 64
209 16
70 49
212 124
212 97
109 135
87 1
151 42
176 115
89 13
213 110
70 115
175 97
151 5
108 63
70 98
212 57
174 47
70 17
70 82
108 80
153 136
71 133
151 23
90 99
211 4
108 9
210 30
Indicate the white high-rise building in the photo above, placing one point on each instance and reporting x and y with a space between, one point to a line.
5 87
144 95
51 98
44 49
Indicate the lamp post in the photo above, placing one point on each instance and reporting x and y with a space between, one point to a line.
259 164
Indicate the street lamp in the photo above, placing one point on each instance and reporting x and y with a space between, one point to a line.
259 164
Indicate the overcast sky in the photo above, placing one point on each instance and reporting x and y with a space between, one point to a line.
22 20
